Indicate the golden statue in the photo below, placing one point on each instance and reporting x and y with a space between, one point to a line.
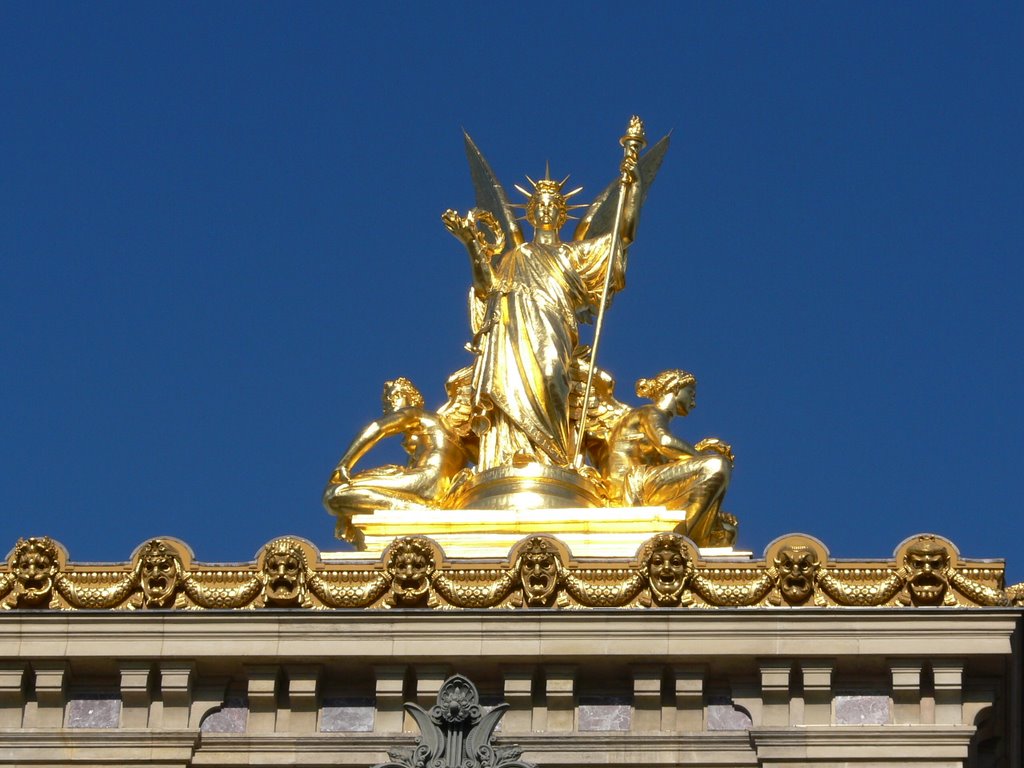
649 466
531 423
533 296
435 456
527 302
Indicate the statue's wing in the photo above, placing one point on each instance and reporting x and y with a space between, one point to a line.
490 195
600 216
603 410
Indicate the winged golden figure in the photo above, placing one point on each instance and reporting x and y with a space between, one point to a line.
528 300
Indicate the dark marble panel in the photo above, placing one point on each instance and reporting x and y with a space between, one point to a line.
230 718
724 715
346 715
862 709
94 711
604 713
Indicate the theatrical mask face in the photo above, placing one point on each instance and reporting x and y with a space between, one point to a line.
35 565
410 568
926 563
283 575
797 567
539 575
159 574
666 571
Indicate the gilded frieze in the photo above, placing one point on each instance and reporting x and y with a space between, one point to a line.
540 572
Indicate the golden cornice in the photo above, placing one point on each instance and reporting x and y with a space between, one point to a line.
539 572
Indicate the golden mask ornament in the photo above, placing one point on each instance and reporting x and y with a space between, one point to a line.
410 565
668 566
539 570
160 574
926 561
284 573
797 567
34 565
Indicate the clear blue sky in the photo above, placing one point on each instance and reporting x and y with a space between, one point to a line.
219 233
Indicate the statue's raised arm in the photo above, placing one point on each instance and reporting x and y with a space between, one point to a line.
600 216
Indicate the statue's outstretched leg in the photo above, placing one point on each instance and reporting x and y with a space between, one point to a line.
696 485
357 499
371 491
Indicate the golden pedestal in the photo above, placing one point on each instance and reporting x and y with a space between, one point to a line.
488 512
533 486
589 532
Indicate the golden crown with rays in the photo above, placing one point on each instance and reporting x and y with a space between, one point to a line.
550 188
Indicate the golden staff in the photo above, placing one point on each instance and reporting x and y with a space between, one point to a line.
632 143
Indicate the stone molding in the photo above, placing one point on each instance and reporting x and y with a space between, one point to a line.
808 747
83 748
507 636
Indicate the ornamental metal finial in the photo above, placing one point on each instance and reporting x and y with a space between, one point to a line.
456 733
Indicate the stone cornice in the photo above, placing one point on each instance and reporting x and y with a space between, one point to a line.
512 635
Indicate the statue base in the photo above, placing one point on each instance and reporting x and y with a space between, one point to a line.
487 512
491 533
533 486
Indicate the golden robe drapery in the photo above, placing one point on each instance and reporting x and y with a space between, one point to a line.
525 345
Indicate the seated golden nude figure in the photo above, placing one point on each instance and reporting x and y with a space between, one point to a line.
649 466
434 459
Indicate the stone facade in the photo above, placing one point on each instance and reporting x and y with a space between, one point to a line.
655 687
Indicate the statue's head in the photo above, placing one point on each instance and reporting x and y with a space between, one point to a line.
410 565
401 393
926 560
667 568
680 385
547 207
538 571
160 574
284 572
34 564
797 567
